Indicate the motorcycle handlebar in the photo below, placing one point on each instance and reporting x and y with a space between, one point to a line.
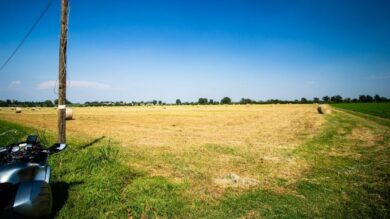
2 149
57 148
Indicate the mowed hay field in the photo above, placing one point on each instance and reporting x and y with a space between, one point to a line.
185 142
237 160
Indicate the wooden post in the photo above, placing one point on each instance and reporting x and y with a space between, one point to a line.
62 74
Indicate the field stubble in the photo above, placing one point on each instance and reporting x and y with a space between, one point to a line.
202 146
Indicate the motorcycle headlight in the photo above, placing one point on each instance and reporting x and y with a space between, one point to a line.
15 148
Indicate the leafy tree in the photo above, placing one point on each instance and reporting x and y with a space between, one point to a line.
202 101
303 100
336 99
377 98
316 100
154 102
48 103
246 101
369 98
178 102
326 99
226 100
362 98
66 101
211 101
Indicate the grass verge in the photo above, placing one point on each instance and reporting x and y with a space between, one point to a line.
378 112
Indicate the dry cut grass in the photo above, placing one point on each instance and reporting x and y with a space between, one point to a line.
199 145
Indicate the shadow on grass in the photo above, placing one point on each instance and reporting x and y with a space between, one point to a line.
60 194
97 140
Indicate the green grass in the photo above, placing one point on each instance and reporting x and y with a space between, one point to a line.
377 112
376 109
346 179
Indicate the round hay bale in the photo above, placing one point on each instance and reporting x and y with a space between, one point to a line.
33 108
18 110
69 114
323 109
328 111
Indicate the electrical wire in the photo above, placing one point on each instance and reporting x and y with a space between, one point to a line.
28 34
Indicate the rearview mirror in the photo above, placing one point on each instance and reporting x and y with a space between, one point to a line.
57 148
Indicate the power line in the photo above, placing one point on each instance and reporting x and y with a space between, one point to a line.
28 34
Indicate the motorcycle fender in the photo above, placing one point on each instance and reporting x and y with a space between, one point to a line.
33 199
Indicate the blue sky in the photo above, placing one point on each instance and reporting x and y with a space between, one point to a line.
145 50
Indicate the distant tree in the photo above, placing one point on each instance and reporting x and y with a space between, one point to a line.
211 101
178 102
159 102
336 99
347 100
202 101
259 102
226 100
154 102
325 99
303 100
377 98
362 98
48 103
369 99
245 101
66 101
316 100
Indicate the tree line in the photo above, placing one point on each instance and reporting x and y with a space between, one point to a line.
202 101
46 103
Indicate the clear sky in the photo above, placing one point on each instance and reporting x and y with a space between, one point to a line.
164 50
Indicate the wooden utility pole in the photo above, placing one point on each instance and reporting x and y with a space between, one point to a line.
62 74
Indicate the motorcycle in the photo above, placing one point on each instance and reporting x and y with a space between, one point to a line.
24 179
